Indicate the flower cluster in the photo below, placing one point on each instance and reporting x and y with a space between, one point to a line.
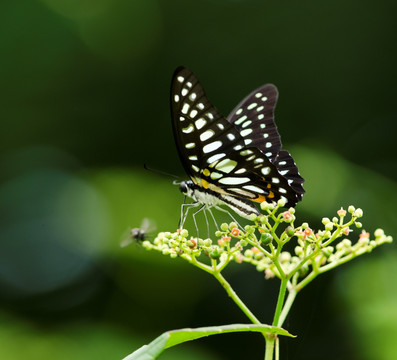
261 244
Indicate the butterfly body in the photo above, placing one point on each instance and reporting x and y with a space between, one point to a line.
213 198
234 161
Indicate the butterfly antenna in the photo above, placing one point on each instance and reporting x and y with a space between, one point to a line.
161 172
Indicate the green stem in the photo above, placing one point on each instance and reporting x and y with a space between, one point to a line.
280 301
269 346
235 298
287 307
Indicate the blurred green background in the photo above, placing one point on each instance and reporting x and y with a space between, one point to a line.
85 102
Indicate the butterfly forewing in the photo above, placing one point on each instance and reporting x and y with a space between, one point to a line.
254 118
201 133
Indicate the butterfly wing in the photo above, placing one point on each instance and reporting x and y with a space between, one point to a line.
254 119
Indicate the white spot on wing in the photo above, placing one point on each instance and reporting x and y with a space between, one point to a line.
268 145
268 154
246 132
258 95
195 168
193 157
275 180
200 123
200 106
180 79
241 171
264 98
234 180
251 106
193 113
189 84
215 175
248 122
247 141
220 126
284 172
210 116
245 152
282 163
260 108
192 96
215 157
265 170
188 129
212 146
260 117
282 190
185 108
259 160
176 98
239 111
240 120
265 135
238 147
226 165
206 135
231 137
190 145
184 92
254 188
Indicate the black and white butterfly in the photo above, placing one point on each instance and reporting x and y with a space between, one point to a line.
231 161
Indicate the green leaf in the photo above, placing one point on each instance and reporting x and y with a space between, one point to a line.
175 337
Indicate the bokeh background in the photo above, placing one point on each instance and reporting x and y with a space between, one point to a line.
84 103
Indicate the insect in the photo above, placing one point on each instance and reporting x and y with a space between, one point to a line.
139 234
234 161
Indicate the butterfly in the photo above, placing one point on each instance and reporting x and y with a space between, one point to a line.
235 161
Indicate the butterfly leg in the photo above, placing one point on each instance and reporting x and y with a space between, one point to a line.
228 212
184 212
202 207
206 221
213 218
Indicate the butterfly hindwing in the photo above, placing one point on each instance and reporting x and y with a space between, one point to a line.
254 118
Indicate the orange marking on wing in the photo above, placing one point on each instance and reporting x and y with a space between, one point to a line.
205 183
271 195
260 198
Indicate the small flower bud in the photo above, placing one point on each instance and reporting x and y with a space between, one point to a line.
207 242
253 217
192 243
233 225
266 238
285 256
269 274
281 202
218 233
215 253
358 224
329 226
298 250
165 251
335 220
341 212
265 205
358 213
243 242
224 227
379 233
291 210
328 251
346 230
248 253
235 232
346 243
308 231
255 250
351 209
289 231
305 225
325 220
184 233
